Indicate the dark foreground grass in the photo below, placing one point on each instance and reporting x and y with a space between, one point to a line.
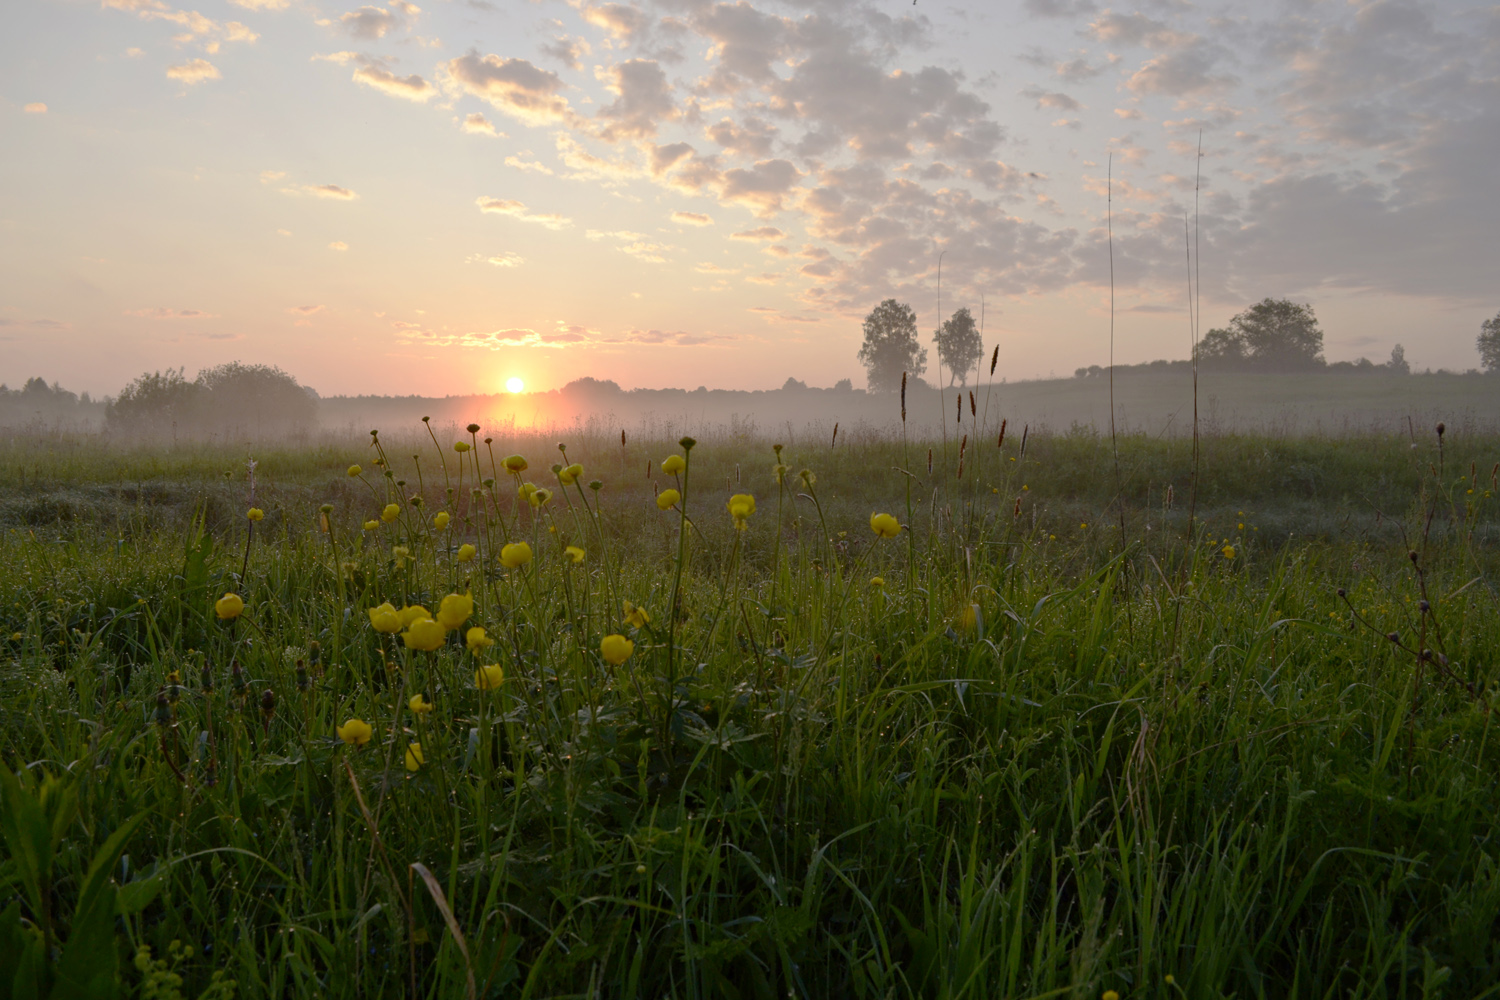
1017 751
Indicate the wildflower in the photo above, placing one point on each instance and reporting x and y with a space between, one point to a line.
1229 552
419 705
539 496
877 582
636 616
668 499
414 758
391 512
455 610
355 732
255 514
229 607
477 639
489 677
1083 526
514 464
1109 995
779 471
423 634
399 553
673 465
472 428
465 552
460 446
385 618
525 491
413 612
371 525
515 555
884 525
616 649
570 475
574 553
354 470
741 506
441 520
809 478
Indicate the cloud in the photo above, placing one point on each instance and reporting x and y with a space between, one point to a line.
412 88
530 166
369 23
650 253
35 108
622 22
517 210
338 245
708 267
692 219
1136 29
260 5
566 50
271 176
752 137
332 191
193 71
477 123
1059 8
1051 100
162 312
498 260
304 310
761 187
760 233
514 86
642 99
1183 72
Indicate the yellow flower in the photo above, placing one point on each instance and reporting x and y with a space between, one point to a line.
229 607
371 525
876 581
616 649
399 553
477 640
1229 552
514 463
1083 525
414 758
355 470
385 618
884 525
539 496
455 610
489 677
423 634
413 612
570 475
515 555
636 616
255 514
391 512
673 465
355 732
525 491
1109 995
441 520
574 553
465 552
779 471
419 705
668 499
460 446
741 506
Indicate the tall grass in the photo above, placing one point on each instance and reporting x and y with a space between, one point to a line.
832 765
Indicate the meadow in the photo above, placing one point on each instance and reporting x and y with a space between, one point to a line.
1068 718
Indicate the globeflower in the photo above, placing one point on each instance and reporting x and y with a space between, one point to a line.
636 616
570 475
1229 552
477 639
574 553
515 555
229 607
668 499
419 705
741 506
884 525
385 618
423 634
489 677
413 612
525 491
371 524
539 496
441 520
414 759
465 552
877 581
514 464
616 649
255 514
354 470
455 610
355 732
391 512
460 446
673 465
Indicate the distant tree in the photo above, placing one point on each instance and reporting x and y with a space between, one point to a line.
1273 334
257 399
1222 348
1398 363
1489 345
792 383
891 346
844 385
155 403
959 346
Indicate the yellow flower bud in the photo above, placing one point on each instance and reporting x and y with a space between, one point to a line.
419 705
455 610
412 612
884 525
414 758
355 732
489 677
355 470
371 525
574 553
477 640
668 499
673 465
515 555
460 446
255 514
514 464
391 512
423 634
385 618
441 520
465 552
616 649
229 607
570 475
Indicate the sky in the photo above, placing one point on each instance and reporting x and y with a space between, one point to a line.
434 197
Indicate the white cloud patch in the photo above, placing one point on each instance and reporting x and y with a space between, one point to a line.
513 86
478 124
692 219
411 88
35 108
193 71
331 191
517 210
496 260
163 312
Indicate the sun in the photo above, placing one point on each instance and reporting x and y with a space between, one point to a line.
514 384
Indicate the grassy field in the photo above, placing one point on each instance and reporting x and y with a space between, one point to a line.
1079 726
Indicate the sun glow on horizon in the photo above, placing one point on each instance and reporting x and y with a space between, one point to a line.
514 384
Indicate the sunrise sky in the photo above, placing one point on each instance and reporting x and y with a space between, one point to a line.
435 197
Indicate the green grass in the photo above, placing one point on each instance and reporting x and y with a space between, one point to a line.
1061 750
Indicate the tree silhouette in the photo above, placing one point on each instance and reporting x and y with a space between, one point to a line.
1489 345
959 346
891 346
